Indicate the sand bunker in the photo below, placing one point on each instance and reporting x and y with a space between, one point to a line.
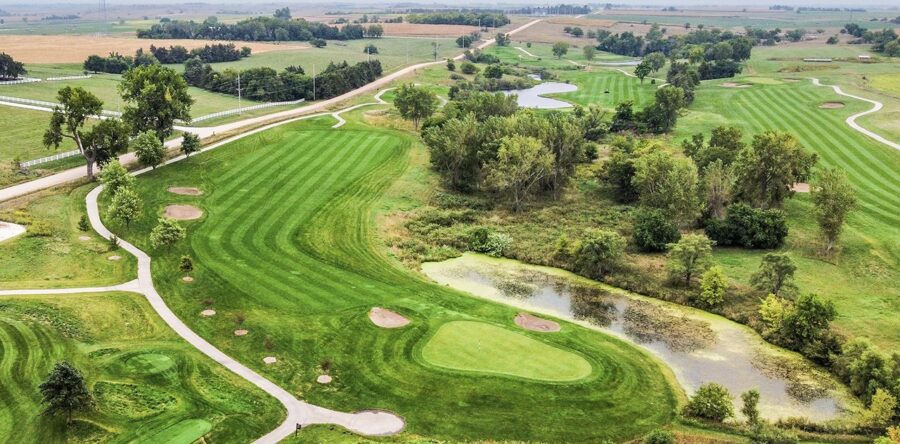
9 230
183 212
84 238
385 318
270 360
186 191
800 187
324 379
831 105
207 313
115 257
534 323
734 85
187 279
241 332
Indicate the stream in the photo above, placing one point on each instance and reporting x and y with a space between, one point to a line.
699 347
533 97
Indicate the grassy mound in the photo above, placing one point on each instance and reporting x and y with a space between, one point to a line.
98 333
481 347
287 251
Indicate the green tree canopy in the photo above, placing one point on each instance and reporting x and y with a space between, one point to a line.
522 162
149 150
775 274
155 98
65 391
668 183
834 198
711 401
114 177
190 143
560 49
766 170
599 253
689 256
166 233
415 103
125 206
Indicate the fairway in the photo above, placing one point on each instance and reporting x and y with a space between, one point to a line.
287 244
480 347
607 87
101 334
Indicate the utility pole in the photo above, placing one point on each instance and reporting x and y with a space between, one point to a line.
239 93
314 82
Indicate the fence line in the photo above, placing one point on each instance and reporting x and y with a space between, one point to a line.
58 156
48 104
244 109
19 81
86 76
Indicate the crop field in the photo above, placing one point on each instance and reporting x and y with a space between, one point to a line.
871 249
149 386
298 199
758 18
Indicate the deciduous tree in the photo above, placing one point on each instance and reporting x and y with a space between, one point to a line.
560 49
115 177
65 391
766 170
775 274
656 60
668 183
642 70
711 401
148 148
713 284
521 163
653 230
834 198
599 252
750 409
125 206
166 233
689 256
415 103
155 98
717 185
190 144
589 52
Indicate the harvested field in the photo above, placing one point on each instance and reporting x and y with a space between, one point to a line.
46 48
424 30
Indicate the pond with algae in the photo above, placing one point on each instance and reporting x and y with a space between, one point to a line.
699 347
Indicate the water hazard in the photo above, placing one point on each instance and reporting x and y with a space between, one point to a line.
532 97
698 346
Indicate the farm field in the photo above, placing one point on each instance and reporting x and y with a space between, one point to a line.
870 247
149 386
756 18
299 198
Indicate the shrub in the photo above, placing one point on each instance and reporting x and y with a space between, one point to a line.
599 253
659 437
491 243
688 257
83 224
751 405
712 402
39 229
114 176
149 149
113 242
451 65
166 233
762 433
187 265
653 230
748 227
468 68
713 284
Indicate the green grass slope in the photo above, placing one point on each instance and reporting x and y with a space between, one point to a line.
105 335
286 251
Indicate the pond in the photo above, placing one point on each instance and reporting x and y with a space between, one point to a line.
532 97
698 346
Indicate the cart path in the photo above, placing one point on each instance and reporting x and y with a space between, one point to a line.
876 106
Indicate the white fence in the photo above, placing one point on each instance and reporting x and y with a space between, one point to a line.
20 81
86 76
58 156
46 104
243 109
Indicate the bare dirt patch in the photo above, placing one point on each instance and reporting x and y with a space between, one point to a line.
800 187
187 279
832 105
324 379
76 48
84 238
734 85
207 313
534 323
183 212
241 332
385 318
115 257
185 191
270 360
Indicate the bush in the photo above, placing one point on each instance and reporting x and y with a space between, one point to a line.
763 433
83 224
653 230
491 243
468 68
187 265
749 227
166 233
659 437
149 149
599 253
712 402
713 284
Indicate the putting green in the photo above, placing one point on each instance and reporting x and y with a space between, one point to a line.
149 363
482 347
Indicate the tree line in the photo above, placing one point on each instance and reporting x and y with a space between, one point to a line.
266 84
494 19
253 29
116 63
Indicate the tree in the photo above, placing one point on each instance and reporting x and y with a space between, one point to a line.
766 170
415 103
775 274
166 233
560 49
880 411
661 116
465 41
717 184
190 143
807 322
668 183
155 98
656 60
97 145
712 402
65 391
125 206
773 310
689 256
318 43
149 150
713 284
451 65
577 32
375 31
521 163
115 177
618 172
370 49
494 71
653 231
283 13
599 253
833 198
589 52
503 39
9 68
468 68
748 227
660 437
750 408
642 70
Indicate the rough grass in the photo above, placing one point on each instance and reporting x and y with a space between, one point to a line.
98 334
288 243
22 132
486 348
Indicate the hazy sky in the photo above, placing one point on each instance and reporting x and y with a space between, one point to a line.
660 3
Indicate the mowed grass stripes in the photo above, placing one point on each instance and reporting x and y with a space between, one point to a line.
607 87
286 251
